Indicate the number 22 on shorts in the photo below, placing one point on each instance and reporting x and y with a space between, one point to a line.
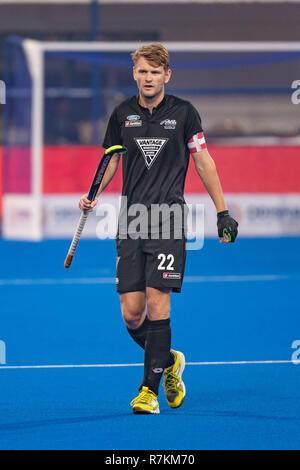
163 258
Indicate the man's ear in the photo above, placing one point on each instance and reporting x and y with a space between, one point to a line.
168 75
134 73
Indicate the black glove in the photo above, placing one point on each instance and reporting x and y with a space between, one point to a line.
227 226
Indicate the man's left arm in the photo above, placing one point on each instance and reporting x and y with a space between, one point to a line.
206 169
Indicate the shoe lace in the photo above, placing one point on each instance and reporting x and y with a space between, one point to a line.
170 381
144 397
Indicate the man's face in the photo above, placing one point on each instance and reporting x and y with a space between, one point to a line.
150 79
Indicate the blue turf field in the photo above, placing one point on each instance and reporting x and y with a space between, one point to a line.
239 303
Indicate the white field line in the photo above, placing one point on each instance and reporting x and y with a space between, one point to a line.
86 366
111 280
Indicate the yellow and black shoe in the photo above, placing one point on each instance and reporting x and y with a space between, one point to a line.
145 403
173 383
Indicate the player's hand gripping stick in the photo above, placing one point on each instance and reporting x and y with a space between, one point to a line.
91 196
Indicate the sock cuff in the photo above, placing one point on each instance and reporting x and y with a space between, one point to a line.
159 323
140 328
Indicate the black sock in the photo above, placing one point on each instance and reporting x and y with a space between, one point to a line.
139 336
157 353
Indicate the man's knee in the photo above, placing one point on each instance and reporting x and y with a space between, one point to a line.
133 318
133 310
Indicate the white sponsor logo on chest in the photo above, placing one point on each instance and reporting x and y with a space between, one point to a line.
168 123
150 148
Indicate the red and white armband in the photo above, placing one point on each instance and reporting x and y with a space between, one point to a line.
197 143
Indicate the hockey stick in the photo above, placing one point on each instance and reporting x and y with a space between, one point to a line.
91 196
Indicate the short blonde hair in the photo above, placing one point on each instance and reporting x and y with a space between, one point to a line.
156 54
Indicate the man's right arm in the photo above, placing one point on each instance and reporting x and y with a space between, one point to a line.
84 203
112 137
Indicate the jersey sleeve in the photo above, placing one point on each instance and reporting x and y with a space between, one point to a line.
113 132
193 124
194 136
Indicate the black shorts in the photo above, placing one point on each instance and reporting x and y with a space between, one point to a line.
150 263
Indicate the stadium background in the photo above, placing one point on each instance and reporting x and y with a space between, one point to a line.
243 124
254 136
